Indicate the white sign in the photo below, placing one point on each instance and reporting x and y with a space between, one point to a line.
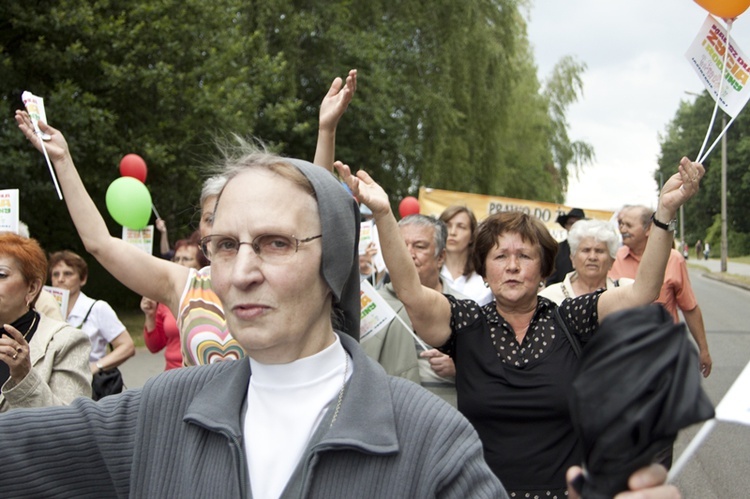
61 296
375 313
706 56
142 239
9 210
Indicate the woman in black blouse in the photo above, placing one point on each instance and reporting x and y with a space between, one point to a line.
514 363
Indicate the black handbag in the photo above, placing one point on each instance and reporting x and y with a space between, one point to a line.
106 383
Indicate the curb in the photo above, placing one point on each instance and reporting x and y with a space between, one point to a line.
727 280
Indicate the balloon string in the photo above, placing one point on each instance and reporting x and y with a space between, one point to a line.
700 160
156 213
700 156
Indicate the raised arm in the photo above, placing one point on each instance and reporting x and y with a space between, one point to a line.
145 274
331 110
164 248
429 311
650 275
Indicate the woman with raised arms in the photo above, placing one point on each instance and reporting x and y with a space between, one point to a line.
513 363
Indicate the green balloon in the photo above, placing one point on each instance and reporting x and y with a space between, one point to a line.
129 202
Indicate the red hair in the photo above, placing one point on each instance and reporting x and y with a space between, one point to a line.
28 254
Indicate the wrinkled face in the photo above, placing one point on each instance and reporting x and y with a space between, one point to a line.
420 241
459 233
592 260
277 311
631 228
514 270
15 292
187 256
207 215
66 277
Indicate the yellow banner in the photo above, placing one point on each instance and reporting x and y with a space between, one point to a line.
434 201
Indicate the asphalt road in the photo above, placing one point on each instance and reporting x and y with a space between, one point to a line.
136 370
721 467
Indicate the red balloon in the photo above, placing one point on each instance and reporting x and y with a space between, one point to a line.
727 9
408 206
132 165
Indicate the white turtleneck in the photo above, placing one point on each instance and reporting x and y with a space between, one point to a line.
285 404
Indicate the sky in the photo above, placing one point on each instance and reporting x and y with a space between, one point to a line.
636 76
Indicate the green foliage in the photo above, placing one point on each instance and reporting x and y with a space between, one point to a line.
684 137
448 96
738 243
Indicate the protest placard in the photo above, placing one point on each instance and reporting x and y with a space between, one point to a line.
61 296
434 201
375 313
9 210
707 56
142 239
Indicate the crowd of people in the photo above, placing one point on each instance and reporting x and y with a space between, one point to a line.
283 401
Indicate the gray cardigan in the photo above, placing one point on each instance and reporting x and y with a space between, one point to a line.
180 436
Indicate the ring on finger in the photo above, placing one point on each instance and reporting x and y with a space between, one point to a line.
15 356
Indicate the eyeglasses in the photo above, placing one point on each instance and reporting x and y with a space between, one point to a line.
271 248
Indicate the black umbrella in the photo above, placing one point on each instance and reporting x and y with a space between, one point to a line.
637 385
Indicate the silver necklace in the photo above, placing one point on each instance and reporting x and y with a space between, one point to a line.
341 391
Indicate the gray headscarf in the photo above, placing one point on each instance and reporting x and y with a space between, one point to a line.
339 221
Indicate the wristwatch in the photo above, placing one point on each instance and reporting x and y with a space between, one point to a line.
671 226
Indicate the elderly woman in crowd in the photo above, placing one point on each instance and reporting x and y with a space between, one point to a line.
43 362
513 366
593 246
308 414
188 293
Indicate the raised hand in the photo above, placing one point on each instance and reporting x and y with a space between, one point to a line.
365 189
682 186
14 351
336 101
57 147
148 306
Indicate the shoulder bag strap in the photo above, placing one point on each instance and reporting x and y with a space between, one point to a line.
574 343
87 315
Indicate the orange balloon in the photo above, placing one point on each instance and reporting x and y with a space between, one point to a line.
726 9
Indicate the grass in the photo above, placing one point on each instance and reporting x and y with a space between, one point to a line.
726 277
133 321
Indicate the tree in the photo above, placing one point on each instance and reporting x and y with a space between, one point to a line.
684 136
448 96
